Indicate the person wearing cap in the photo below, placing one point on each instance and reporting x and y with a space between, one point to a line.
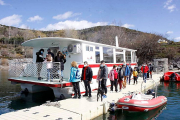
49 52
86 77
144 70
104 77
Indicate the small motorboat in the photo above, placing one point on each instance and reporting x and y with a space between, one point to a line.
171 76
138 102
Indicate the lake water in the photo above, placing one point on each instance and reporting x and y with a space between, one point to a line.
11 99
168 112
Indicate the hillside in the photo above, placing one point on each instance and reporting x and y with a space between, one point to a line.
146 43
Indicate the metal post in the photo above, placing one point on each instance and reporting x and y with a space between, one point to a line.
104 107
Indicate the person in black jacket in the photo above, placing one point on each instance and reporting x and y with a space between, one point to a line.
104 77
120 78
87 77
39 60
150 69
62 59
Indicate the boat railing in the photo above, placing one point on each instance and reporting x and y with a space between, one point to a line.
47 71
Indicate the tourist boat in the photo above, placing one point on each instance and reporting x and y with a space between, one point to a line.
138 102
171 76
25 72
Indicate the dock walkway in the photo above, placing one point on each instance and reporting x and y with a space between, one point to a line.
76 109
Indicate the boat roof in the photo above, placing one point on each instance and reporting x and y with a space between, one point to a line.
47 42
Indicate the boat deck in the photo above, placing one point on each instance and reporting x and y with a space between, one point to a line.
34 80
77 109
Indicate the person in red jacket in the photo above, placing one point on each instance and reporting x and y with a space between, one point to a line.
144 70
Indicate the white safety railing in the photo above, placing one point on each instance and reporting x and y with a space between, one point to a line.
44 71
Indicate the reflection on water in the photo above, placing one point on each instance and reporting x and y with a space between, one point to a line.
168 112
11 98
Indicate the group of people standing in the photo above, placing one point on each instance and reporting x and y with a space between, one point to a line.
147 71
86 77
118 75
122 75
61 58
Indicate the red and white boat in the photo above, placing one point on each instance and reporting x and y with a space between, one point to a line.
171 76
26 73
140 102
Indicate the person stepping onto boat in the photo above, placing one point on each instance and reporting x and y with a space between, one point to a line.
75 79
120 78
135 74
113 75
86 77
144 70
104 77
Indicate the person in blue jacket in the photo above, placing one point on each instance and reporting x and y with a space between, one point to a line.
75 79
126 72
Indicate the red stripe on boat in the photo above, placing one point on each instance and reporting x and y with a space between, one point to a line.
42 84
108 65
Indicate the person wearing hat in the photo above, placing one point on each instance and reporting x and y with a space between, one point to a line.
104 77
86 77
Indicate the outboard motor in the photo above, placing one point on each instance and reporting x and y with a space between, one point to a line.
151 92
112 107
172 77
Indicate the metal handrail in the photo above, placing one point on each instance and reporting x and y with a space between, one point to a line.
46 70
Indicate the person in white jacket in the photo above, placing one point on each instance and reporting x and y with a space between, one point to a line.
49 60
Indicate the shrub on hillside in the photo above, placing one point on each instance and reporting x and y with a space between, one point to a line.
4 53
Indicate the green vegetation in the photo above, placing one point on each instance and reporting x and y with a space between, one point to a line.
146 44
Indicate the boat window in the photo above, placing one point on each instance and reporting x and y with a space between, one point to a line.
97 56
91 48
119 58
128 56
133 56
97 48
108 55
87 48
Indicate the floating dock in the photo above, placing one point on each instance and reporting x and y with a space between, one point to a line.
77 109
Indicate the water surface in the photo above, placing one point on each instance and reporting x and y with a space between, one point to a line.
11 98
168 112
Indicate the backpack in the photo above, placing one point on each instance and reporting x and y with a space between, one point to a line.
78 75
121 73
115 74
